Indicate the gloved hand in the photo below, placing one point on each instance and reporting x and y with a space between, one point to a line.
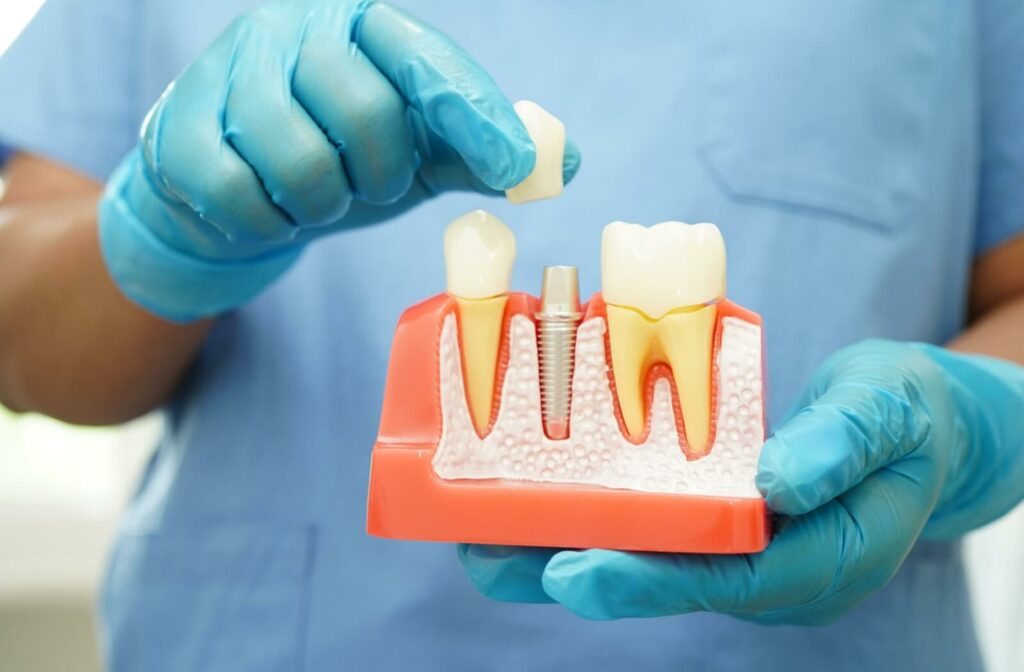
303 118
894 441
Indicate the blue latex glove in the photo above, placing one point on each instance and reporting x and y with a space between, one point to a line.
894 441
301 119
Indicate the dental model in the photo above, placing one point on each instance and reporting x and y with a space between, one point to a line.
665 426
479 251
548 135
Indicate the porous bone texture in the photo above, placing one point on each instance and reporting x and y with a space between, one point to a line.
596 453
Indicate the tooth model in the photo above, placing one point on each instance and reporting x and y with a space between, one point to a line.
479 251
548 135
665 423
661 285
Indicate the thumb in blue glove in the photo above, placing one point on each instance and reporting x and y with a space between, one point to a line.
303 118
894 442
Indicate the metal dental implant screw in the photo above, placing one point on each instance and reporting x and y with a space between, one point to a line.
557 321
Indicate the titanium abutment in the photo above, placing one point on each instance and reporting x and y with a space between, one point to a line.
557 322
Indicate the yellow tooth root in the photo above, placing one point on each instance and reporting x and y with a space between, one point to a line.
480 322
685 341
630 338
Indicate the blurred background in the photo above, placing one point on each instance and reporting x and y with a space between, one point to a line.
62 488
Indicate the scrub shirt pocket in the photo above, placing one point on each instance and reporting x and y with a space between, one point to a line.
822 105
226 596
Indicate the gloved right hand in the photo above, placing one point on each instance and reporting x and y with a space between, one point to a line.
893 442
301 119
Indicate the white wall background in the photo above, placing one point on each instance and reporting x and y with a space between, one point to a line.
61 489
14 14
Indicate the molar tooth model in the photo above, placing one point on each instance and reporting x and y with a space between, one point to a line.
661 286
666 418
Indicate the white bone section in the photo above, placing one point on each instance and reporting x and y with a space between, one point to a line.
596 453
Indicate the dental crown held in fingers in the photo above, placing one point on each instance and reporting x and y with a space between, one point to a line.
633 421
548 135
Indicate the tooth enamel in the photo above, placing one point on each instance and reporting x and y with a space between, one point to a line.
479 251
548 135
655 282
661 268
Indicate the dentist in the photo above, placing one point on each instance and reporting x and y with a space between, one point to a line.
240 263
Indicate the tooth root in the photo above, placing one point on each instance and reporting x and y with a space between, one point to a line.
629 337
683 340
687 341
480 322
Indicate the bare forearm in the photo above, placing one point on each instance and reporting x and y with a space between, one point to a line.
71 346
997 304
999 333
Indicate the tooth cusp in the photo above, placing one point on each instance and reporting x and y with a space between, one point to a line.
662 268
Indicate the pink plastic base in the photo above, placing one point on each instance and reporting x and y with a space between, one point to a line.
407 500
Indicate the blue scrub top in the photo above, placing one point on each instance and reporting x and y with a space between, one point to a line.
857 156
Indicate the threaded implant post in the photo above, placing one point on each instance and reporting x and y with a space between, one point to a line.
557 322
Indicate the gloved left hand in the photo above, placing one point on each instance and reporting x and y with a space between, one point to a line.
895 441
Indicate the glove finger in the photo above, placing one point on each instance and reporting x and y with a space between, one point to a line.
173 222
299 167
874 526
364 214
506 573
361 113
854 428
458 100
187 160
816 568
570 161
